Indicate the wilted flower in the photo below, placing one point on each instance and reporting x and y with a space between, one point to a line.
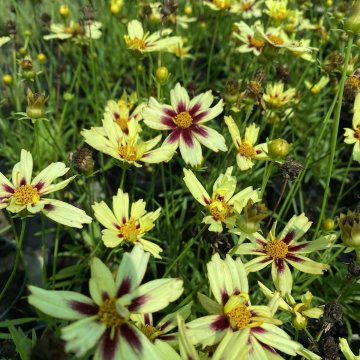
24 194
350 228
285 249
120 227
103 321
223 205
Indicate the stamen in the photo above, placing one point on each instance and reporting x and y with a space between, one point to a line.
220 210
246 149
26 194
239 317
276 249
183 120
127 152
130 230
108 314
277 40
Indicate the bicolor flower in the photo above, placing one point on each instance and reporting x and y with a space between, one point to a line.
126 145
137 40
232 313
246 148
248 8
284 249
102 321
22 193
185 120
246 35
276 98
122 227
352 136
301 311
75 31
223 205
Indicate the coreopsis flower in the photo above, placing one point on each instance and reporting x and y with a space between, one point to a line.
4 40
124 228
103 320
223 204
246 34
248 8
246 148
126 146
276 98
161 331
116 6
232 313
283 249
317 87
24 194
277 9
79 33
137 40
219 5
352 136
345 349
185 119
301 311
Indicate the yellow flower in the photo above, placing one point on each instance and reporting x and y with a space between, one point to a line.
317 87
352 136
275 96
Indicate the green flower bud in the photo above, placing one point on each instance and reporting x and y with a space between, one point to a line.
162 75
250 221
352 24
278 148
328 224
7 80
36 104
350 228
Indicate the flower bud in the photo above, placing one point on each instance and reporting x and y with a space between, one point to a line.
36 104
7 79
41 57
350 228
64 10
278 148
26 64
162 75
188 10
232 90
352 24
328 224
22 52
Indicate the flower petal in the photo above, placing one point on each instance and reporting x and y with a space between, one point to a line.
306 265
195 187
105 216
281 276
296 227
234 346
179 98
121 206
190 148
22 171
209 138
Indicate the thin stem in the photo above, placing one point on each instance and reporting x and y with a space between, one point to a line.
56 249
122 181
212 48
334 133
266 177
240 241
17 258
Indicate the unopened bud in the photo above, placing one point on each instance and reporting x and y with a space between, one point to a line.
253 214
188 10
36 104
162 75
64 10
7 79
350 228
41 57
352 24
278 148
328 224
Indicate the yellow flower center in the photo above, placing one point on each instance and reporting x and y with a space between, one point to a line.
183 120
255 87
239 317
247 150
136 43
122 122
353 82
280 14
222 4
26 194
246 5
108 314
277 40
256 43
220 210
127 152
150 332
130 231
276 249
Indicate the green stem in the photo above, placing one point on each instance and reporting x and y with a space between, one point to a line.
266 177
56 250
240 241
334 133
122 181
212 48
17 258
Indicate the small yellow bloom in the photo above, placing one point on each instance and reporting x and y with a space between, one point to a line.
275 96
317 87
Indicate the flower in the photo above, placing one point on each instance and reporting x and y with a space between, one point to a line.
248 8
245 147
301 311
233 315
185 119
137 41
277 9
120 227
126 145
218 5
247 35
36 105
4 40
285 249
350 228
345 349
222 204
78 33
103 321
275 96
317 87
352 136
24 194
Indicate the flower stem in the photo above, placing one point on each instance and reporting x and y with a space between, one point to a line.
334 133
19 241
56 249
212 49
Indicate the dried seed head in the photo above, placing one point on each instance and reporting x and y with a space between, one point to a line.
45 18
82 160
146 11
11 26
168 7
283 72
291 169
333 313
353 269
350 228
328 348
88 13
